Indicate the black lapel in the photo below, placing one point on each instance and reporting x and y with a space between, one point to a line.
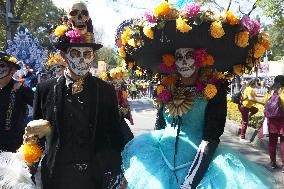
58 99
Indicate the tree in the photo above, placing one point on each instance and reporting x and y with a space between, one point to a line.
36 15
109 56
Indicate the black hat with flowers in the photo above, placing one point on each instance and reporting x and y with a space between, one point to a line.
65 36
222 41
4 57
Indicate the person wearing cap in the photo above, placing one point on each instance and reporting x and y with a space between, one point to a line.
83 149
247 108
14 98
195 50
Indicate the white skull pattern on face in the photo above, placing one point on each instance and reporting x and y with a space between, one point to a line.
79 59
57 70
185 62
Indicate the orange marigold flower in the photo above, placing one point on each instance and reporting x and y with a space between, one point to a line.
259 50
210 91
208 60
162 9
121 52
168 59
31 152
169 80
125 36
182 26
242 39
216 29
231 18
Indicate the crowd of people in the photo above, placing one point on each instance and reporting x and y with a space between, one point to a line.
79 137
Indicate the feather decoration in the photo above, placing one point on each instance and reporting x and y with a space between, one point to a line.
181 3
14 173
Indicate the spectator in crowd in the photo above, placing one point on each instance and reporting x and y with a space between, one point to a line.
276 123
247 107
14 98
133 90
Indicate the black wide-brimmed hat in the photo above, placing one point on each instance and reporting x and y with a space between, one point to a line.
9 59
231 41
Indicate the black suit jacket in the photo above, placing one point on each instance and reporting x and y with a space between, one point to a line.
105 122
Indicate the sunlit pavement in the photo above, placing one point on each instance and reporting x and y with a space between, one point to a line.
144 116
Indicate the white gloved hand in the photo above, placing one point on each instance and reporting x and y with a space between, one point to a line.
37 129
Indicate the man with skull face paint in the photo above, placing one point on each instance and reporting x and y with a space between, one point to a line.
14 99
83 149
55 66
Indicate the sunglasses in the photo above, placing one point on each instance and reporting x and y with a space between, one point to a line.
76 12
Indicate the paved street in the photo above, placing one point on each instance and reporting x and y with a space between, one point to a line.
144 118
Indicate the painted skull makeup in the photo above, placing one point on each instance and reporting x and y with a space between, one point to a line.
80 59
4 70
185 62
57 70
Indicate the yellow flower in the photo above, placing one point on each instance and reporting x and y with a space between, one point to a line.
60 30
210 91
160 88
162 9
138 73
148 32
112 73
131 42
216 29
182 26
259 50
231 18
121 52
125 36
104 76
12 59
238 69
241 39
138 43
168 59
31 152
56 59
208 60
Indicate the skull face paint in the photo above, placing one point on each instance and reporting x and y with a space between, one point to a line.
57 70
79 59
4 70
185 62
78 14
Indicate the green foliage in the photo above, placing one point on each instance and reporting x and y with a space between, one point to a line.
108 55
37 17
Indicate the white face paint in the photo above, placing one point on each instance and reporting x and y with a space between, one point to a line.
57 70
4 70
185 62
80 59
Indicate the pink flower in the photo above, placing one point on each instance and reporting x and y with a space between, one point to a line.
149 17
192 9
252 26
199 86
165 95
75 37
168 69
198 55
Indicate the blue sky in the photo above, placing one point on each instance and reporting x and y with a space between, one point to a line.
107 16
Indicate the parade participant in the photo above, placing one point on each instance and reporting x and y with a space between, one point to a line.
274 113
14 98
190 45
247 107
83 149
55 66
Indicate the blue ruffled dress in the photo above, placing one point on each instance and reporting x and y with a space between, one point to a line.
148 160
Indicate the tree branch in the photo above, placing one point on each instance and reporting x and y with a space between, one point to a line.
229 5
253 7
22 9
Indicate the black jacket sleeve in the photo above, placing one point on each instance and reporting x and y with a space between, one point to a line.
37 111
215 115
28 95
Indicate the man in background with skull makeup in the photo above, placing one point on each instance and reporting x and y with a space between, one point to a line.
83 149
14 99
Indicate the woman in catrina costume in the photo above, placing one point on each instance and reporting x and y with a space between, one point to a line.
197 50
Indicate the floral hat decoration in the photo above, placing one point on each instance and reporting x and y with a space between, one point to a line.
55 59
222 41
4 57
